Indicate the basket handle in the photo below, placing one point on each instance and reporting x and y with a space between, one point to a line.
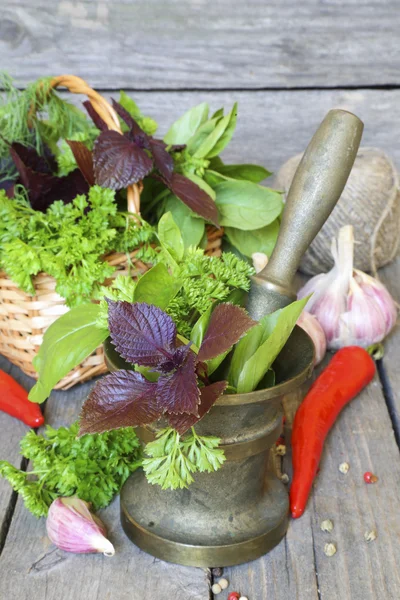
76 85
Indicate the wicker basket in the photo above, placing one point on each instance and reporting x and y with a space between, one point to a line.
25 318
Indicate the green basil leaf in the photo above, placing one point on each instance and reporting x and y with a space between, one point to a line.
246 205
170 236
254 173
279 325
213 363
211 140
185 127
202 184
226 137
66 343
268 380
213 178
256 240
199 328
218 113
201 135
157 287
192 228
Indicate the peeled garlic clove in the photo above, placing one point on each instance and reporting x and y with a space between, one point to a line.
260 260
72 527
310 324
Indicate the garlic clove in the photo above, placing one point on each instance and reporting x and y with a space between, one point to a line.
72 527
376 290
311 325
260 260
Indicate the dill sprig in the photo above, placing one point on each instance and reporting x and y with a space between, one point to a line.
34 117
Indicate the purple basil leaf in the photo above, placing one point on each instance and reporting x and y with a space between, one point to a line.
43 189
135 130
97 120
208 396
8 186
84 159
142 333
178 392
33 160
65 188
177 360
37 184
118 161
121 399
163 161
194 197
227 325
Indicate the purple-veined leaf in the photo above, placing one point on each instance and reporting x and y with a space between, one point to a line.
143 334
135 131
43 189
121 399
118 161
84 159
176 361
227 324
29 156
208 396
163 161
97 120
194 197
178 392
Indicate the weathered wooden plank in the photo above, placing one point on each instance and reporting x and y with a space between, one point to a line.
273 126
33 568
11 432
157 44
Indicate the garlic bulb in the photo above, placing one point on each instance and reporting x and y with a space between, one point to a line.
72 527
311 325
352 307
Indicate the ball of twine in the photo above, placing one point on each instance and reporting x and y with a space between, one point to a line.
370 202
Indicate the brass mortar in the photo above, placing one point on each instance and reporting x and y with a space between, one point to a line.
240 512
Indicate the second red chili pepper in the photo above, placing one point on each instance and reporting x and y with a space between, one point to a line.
14 401
349 371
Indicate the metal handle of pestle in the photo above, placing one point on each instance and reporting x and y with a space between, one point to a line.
316 187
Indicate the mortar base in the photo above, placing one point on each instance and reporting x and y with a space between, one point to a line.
185 527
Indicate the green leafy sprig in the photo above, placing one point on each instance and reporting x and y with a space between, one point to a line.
172 460
68 241
93 467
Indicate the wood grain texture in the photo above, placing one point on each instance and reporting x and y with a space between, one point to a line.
12 431
31 567
165 45
273 126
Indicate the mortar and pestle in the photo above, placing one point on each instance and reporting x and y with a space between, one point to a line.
240 512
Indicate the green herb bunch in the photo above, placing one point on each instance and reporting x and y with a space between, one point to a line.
34 117
248 211
93 467
172 460
67 241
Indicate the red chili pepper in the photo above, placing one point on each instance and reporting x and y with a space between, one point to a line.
234 596
14 401
349 371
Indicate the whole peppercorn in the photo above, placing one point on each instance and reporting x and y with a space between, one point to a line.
370 477
217 571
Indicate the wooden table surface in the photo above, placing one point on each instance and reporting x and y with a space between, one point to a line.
286 63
